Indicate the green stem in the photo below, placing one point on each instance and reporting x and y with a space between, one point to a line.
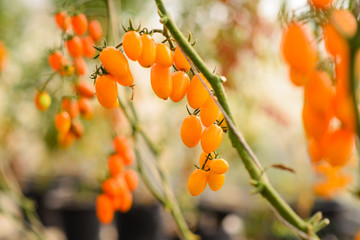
249 159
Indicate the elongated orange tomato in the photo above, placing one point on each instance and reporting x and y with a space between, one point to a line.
211 138
339 147
122 147
298 78
112 186
298 48
62 21
132 45
344 108
56 60
203 157
344 21
335 44
321 4
104 209
148 53
106 91
318 91
115 164
197 94
180 61
161 82
88 47
164 56
65 140
216 181
79 23
191 131
42 100
80 66
62 122
84 89
222 122
85 108
126 80
315 123
114 62
95 30
127 202
74 46
219 166
316 150
180 82
131 179
209 112
77 128
197 182
71 106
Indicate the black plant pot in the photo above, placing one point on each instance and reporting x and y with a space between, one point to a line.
142 222
80 223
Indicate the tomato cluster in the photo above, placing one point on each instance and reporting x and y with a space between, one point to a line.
2 55
79 37
328 112
141 47
118 186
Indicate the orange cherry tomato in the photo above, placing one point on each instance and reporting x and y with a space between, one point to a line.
67 70
315 123
180 61
219 166
74 46
180 82
335 44
116 165
70 106
344 108
126 80
344 21
112 186
56 60
216 181
42 100
62 21
65 140
316 150
77 128
80 66
191 131
148 53
321 4
164 56
197 182
197 94
88 47
62 122
127 202
161 82
114 62
84 89
339 147
131 179
209 112
298 78
211 138
95 30
122 147
298 48
104 209
203 157
222 122
132 45
79 23
106 91
85 108
318 91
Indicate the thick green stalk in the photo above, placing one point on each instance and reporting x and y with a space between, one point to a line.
248 157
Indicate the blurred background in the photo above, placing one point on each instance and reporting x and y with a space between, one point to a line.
238 38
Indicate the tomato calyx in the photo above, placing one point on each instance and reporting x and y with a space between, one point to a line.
131 27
